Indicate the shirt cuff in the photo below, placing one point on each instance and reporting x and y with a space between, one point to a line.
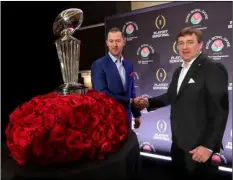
209 150
130 101
146 98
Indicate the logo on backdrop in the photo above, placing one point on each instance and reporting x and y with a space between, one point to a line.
175 58
136 78
174 47
218 159
129 30
145 51
216 45
161 126
162 131
230 25
229 143
147 147
230 87
196 17
161 76
160 24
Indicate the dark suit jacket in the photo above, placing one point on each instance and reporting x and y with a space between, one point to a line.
106 78
199 111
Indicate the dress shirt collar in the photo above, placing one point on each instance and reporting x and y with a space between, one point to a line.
114 58
188 64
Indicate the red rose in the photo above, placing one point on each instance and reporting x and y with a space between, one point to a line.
37 145
95 120
106 147
80 121
98 136
22 137
33 122
111 132
75 140
58 133
49 121
17 152
40 132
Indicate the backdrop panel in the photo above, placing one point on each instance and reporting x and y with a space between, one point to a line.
151 47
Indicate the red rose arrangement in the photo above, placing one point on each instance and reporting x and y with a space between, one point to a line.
54 128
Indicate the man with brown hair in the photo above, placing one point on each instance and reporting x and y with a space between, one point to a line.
114 75
198 95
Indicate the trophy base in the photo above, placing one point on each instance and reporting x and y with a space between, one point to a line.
66 89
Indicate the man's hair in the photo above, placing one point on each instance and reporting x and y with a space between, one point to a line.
190 31
115 29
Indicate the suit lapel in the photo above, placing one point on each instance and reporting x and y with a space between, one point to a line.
126 75
115 72
175 82
196 65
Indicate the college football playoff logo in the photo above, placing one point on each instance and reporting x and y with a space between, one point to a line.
161 75
160 22
174 47
161 126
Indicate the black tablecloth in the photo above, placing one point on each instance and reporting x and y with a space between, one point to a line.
125 164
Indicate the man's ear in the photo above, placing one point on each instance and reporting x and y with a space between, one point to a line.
200 45
106 41
124 40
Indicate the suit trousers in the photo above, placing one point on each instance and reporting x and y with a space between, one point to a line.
185 168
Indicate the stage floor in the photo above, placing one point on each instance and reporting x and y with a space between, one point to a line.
161 170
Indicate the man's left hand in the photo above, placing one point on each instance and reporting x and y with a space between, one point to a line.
200 154
137 122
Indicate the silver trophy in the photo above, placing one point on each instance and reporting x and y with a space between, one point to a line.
68 50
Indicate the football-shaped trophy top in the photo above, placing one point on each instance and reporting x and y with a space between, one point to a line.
67 22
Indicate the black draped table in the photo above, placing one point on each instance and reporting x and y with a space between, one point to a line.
124 164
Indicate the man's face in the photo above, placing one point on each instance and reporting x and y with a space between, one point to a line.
115 43
188 47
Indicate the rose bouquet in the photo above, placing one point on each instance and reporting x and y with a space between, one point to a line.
54 128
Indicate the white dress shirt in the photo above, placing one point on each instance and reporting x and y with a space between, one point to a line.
185 67
183 72
120 67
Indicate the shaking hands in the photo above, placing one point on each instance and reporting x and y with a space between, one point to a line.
140 103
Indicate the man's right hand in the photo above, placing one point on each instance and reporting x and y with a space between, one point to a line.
140 103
